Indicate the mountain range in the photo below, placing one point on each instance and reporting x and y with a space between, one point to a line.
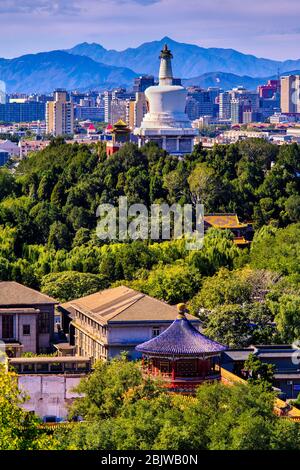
189 60
91 66
43 72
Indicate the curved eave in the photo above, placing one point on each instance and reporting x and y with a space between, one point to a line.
175 356
180 339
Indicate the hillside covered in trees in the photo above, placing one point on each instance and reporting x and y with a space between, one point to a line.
48 231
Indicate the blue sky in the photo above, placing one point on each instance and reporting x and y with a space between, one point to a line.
268 28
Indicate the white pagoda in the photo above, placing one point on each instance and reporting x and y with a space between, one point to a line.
166 122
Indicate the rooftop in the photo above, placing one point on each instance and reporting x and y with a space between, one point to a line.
122 304
182 339
28 311
15 294
224 221
48 359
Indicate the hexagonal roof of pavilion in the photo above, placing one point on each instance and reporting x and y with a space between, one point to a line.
180 339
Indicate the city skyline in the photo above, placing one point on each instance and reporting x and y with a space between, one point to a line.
269 31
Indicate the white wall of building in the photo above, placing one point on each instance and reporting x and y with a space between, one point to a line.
49 395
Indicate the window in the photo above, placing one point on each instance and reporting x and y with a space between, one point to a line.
155 331
7 326
26 330
44 322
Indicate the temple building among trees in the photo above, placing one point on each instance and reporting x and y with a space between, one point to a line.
181 356
242 232
120 135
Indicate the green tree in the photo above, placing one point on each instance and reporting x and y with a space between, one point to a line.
259 372
202 184
105 390
240 325
19 430
70 285
59 236
225 287
172 283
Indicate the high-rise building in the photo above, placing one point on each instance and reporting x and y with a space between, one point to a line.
22 112
140 108
290 94
243 103
269 90
142 83
107 106
93 113
136 110
202 102
3 97
115 104
225 105
60 114
118 110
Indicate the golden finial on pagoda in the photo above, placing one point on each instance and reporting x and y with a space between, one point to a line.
181 309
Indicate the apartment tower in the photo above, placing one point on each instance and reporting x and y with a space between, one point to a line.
60 115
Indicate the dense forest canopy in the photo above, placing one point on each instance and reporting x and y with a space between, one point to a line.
48 230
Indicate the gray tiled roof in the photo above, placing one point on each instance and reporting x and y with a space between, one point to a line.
122 304
14 294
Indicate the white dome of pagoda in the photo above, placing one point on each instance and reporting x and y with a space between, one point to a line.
166 122
166 101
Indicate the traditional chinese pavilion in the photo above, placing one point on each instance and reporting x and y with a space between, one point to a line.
120 135
243 233
182 356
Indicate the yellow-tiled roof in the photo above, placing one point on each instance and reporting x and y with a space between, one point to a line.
241 241
224 221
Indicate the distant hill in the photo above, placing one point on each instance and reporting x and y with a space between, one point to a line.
91 66
226 81
46 71
189 60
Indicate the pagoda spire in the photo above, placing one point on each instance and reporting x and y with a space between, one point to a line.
165 70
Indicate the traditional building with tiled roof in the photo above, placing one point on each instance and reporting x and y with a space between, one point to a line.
26 319
182 356
120 135
243 232
114 320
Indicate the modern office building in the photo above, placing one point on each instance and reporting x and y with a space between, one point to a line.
22 112
269 90
60 114
118 110
115 103
92 113
4 156
3 96
290 94
136 110
142 83
225 105
202 102
244 102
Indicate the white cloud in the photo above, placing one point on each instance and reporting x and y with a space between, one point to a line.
267 29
